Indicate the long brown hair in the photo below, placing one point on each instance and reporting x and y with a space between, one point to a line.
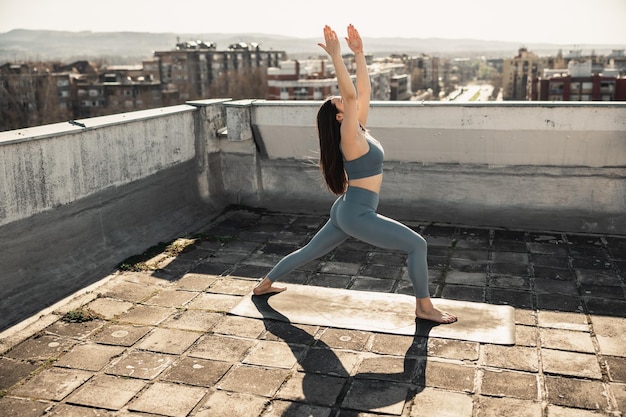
331 159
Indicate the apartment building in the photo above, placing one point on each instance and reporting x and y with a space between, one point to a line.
517 72
187 72
579 82
32 94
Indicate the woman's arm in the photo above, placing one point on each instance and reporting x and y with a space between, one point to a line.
363 85
349 122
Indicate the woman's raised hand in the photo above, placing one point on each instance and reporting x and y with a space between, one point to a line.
354 39
332 42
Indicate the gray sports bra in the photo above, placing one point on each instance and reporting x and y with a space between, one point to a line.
366 165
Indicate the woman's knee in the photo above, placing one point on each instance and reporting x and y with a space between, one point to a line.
420 245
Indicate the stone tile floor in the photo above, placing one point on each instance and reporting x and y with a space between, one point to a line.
162 342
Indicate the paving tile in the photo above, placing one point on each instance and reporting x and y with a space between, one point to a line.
122 335
526 336
361 283
617 368
605 306
78 331
195 320
214 302
554 274
293 409
576 393
619 393
168 399
520 358
391 344
221 348
232 404
207 267
254 380
12 371
143 365
294 334
453 349
195 371
171 298
146 315
52 384
330 280
511 282
329 362
509 407
552 286
21 407
171 341
240 326
194 282
134 292
464 293
557 411
89 356
611 334
563 320
274 354
232 286
41 348
344 339
570 363
501 383
107 392
517 299
312 388
559 302
387 368
466 278
340 268
376 396
570 340
109 308
435 402
446 375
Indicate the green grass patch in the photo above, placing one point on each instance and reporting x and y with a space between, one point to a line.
80 315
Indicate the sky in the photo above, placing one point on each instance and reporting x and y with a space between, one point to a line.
567 22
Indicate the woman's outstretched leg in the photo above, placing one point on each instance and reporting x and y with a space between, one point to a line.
384 232
325 240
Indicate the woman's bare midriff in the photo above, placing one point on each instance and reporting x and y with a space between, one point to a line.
372 183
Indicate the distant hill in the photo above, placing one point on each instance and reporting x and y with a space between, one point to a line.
132 47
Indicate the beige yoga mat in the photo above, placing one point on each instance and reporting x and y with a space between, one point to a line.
380 312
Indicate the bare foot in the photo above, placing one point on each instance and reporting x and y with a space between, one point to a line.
266 287
425 310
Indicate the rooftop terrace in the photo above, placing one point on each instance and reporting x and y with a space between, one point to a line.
520 205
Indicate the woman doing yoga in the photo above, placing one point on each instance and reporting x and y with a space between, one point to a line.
352 163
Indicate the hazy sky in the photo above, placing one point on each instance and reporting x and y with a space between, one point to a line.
567 22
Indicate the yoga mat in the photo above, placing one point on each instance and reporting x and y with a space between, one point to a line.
379 312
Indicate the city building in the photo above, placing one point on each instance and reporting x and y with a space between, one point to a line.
187 72
579 82
517 72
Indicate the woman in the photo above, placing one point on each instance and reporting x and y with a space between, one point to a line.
352 163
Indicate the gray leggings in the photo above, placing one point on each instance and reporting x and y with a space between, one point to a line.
354 215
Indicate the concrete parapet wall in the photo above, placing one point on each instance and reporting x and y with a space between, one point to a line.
560 166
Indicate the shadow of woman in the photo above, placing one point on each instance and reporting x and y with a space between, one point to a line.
326 383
